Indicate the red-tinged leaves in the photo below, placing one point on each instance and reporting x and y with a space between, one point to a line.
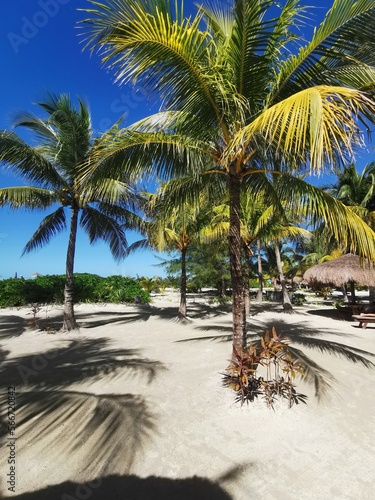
273 355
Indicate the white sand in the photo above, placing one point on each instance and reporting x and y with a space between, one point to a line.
163 412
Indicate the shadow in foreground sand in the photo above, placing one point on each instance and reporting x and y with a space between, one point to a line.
133 488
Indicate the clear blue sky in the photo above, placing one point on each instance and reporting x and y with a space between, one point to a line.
40 52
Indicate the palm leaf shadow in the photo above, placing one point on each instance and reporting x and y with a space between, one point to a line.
110 426
304 336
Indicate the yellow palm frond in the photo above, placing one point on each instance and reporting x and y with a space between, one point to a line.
315 125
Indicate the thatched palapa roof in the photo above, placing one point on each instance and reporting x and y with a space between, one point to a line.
343 270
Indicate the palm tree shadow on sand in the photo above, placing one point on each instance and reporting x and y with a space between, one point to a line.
51 414
16 325
133 488
304 336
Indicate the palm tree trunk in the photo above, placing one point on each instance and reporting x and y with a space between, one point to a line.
260 274
182 309
238 307
69 317
345 293
246 280
287 304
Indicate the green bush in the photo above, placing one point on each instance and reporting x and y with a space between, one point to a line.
87 288
298 299
12 292
120 289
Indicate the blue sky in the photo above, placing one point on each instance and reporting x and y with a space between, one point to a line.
40 51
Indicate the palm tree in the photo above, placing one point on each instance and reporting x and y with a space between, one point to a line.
64 143
357 190
172 228
236 96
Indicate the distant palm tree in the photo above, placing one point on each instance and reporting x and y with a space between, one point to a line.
235 94
173 227
65 142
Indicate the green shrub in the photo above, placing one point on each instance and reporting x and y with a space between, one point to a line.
85 286
298 299
120 289
12 292
49 289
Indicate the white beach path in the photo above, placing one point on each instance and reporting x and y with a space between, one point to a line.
134 401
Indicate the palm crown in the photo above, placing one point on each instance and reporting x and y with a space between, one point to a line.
241 93
65 142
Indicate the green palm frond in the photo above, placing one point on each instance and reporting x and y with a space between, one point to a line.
339 40
141 43
140 154
27 197
100 226
50 226
343 223
28 162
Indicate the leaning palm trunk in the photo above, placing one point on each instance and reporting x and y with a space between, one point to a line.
238 307
69 317
260 275
182 309
287 304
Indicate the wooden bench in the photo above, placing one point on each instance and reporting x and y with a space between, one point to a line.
364 319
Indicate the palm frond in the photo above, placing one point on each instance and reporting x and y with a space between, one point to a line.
99 226
27 197
146 45
315 125
49 227
28 162
141 154
345 35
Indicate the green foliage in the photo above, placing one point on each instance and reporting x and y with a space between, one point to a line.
226 299
45 289
120 289
87 288
298 299
280 370
12 292
206 266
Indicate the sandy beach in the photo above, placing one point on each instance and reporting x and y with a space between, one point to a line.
132 407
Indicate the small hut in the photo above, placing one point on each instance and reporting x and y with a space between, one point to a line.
346 270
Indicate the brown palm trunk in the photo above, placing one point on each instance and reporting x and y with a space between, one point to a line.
287 304
182 309
260 274
238 307
69 317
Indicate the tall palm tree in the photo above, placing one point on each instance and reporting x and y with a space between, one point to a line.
65 142
238 92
